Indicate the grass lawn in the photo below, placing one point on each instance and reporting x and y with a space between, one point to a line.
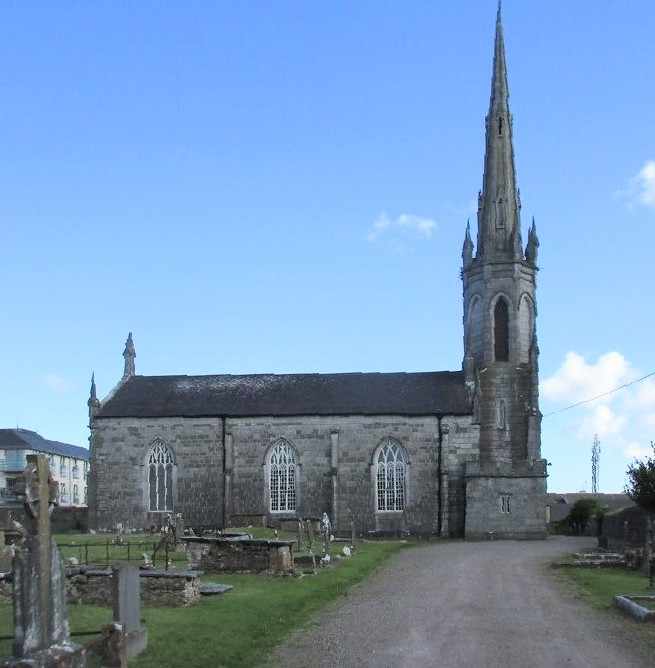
238 628
598 586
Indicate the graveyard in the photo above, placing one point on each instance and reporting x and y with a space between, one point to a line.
109 599
224 597
245 623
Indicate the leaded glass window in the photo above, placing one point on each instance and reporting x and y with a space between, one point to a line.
282 480
160 477
391 477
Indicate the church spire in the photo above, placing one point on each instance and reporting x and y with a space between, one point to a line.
499 230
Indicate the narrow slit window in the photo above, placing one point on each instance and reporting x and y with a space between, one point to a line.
501 331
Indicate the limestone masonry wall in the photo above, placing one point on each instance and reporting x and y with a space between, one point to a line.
221 470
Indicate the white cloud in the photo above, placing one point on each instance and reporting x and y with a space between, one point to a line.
602 421
637 450
57 383
623 420
577 380
641 188
406 223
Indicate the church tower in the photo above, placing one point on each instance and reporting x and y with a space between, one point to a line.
506 485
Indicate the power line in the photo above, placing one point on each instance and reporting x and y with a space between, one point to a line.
600 396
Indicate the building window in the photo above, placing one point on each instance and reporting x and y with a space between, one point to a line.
86 496
63 493
282 477
391 476
160 477
76 494
501 331
505 503
76 469
63 467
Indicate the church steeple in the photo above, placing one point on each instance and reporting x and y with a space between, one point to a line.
499 228
500 306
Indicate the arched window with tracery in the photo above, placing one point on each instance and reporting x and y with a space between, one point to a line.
391 477
161 466
282 477
501 331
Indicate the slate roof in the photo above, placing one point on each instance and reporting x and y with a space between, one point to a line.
428 393
23 439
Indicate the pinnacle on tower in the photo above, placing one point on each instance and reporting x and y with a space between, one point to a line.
93 402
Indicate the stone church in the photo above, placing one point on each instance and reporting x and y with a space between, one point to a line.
448 453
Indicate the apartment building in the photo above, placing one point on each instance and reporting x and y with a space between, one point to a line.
69 465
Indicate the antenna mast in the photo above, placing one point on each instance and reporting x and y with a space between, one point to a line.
595 463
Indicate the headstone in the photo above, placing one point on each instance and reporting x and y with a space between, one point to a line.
127 611
41 633
326 531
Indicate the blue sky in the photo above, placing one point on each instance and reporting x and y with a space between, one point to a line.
284 187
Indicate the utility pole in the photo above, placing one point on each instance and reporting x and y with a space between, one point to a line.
595 463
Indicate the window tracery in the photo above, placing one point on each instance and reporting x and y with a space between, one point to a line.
282 477
160 477
391 477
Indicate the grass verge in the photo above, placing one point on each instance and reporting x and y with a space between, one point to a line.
597 587
239 628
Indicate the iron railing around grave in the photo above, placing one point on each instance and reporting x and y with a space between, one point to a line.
150 553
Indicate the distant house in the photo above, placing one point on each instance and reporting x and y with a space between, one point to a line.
69 465
559 506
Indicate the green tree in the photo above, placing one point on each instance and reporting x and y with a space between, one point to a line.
641 482
583 510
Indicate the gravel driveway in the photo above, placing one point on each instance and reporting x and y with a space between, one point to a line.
466 605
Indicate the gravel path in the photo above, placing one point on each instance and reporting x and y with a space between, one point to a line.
466 605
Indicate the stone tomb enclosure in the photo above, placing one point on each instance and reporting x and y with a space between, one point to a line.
239 554
158 587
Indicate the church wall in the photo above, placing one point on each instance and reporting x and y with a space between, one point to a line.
119 452
252 438
120 449
460 445
355 440
506 506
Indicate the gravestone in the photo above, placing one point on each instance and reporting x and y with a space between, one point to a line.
41 633
125 638
326 531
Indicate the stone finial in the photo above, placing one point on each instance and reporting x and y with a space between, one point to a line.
129 354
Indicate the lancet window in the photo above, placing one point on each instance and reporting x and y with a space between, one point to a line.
282 477
391 477
161 466
501 331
